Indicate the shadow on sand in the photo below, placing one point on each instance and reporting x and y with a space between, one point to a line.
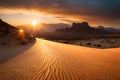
9 53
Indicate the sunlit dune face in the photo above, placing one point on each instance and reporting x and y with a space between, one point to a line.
34 23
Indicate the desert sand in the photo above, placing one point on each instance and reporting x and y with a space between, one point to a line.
101 43
47 60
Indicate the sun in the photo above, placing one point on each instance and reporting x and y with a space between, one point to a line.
34 23
21 30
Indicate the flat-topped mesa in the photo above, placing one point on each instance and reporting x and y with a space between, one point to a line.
83 29
77 27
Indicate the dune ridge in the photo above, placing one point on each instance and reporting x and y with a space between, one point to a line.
47 60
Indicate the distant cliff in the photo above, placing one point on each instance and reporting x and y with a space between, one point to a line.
79 31
11 35
83 28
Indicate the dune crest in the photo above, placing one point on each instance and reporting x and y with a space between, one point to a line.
47 60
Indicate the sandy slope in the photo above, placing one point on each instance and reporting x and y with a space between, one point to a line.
47 60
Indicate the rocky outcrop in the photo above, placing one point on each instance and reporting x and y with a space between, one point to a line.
11 35
82 28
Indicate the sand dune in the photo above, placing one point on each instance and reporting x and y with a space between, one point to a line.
47 60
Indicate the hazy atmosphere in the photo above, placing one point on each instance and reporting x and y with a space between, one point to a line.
96 12
59 39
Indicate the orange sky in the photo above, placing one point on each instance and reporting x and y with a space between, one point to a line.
95 12
23 17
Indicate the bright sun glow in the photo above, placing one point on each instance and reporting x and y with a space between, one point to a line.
34 23
21 30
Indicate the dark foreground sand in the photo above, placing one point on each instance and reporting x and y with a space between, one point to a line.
46 60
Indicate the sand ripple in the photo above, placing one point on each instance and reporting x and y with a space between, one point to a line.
48 61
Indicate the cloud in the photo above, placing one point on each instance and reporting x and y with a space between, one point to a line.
91 10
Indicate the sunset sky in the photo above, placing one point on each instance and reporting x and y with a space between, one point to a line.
96 12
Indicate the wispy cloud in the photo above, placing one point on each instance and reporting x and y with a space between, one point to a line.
97 11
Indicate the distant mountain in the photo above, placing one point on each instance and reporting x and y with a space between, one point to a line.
82 28
78 31
109 29
11 35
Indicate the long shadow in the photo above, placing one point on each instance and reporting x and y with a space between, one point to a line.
6 54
